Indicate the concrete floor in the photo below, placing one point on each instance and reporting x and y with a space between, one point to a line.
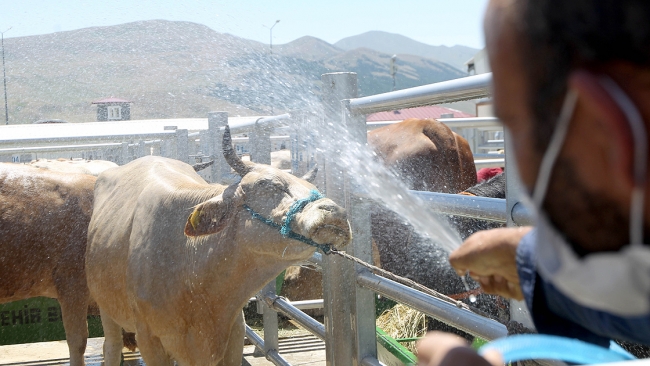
299 350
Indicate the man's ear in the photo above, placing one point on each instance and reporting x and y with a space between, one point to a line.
597 101
213 215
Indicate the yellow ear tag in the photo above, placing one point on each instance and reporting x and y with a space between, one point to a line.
194 218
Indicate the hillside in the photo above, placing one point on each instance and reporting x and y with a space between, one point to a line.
181 69
373 70
391 43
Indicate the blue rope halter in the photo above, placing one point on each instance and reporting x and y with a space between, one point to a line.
285 229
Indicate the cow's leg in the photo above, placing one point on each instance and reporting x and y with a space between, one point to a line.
152 351
73 311
112 340
235 348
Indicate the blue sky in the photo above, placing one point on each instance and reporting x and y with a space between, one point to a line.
434 22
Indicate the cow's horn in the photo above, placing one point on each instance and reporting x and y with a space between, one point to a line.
200 166
231 157
310 176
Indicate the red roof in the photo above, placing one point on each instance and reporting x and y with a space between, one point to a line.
431 111
110 100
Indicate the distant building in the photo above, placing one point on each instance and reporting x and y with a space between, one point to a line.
113 109
431 111
478 64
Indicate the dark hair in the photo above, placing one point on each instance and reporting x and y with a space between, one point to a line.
560 35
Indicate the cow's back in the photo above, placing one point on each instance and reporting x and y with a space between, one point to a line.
44 219
426 154
92 167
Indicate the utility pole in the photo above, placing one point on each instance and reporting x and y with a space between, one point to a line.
271 35
4 74
393 69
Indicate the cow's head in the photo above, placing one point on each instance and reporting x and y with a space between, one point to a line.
271 193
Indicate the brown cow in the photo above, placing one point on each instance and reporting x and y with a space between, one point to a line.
426 154
44 218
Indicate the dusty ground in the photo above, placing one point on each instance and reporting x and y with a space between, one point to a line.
297 346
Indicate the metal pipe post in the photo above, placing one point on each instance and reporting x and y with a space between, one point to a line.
297 146
182 146
124 153
269 317
338 289
472 138
204 143
294 151
142 151
363 300
166 148
260 144
311 155
220 168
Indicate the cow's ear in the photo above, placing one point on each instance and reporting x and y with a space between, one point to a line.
213 215
210 217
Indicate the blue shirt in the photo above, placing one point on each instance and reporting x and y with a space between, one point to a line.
556 314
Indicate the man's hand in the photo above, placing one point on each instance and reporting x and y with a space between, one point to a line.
441 349
490 258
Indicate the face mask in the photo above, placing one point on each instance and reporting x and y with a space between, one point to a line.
614 282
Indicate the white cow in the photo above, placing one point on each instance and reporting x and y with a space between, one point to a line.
175 259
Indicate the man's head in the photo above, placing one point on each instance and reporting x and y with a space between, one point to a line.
538 50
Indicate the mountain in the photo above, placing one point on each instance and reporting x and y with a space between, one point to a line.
308 48
391 43
181 69
373 70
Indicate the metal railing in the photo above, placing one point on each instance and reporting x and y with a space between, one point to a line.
349 288
471 87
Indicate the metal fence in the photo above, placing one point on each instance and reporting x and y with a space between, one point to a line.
349 289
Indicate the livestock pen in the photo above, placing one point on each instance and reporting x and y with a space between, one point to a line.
349 289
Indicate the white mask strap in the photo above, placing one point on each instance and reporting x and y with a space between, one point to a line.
635 121
554 148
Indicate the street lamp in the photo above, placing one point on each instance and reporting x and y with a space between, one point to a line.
271 34
4 74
